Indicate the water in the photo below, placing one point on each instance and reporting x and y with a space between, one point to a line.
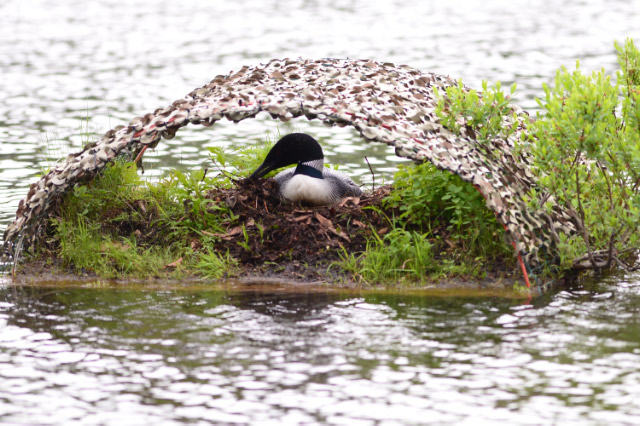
284 356
117 355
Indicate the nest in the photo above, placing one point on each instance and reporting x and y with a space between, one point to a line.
269 229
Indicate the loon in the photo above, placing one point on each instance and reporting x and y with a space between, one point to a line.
310 182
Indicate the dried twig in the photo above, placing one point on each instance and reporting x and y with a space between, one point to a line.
372 174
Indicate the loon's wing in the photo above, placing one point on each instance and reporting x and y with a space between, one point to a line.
345 186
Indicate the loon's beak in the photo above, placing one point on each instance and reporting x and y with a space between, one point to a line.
262 170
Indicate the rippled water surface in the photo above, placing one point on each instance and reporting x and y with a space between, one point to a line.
136 356
105 355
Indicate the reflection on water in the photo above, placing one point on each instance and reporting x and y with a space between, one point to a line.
102 355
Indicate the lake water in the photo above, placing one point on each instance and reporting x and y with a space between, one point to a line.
277 355
99 354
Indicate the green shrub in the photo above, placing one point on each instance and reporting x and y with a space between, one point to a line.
431 200
585 146
482 116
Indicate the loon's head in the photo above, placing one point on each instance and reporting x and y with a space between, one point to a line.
295 148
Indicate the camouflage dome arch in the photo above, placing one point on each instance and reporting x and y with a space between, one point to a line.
386 103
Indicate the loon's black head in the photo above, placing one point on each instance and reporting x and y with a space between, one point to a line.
294 148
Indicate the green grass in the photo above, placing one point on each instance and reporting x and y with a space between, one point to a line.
118 225
243 160
440 228
85 247
397 256
213 265
407 256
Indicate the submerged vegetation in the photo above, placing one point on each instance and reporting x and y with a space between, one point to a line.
583 147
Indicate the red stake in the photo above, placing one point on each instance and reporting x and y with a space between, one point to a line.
140 154
522 266
513 243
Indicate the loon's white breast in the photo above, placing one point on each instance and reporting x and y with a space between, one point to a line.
302 188
330 189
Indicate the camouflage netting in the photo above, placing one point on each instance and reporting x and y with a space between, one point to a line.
384 102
